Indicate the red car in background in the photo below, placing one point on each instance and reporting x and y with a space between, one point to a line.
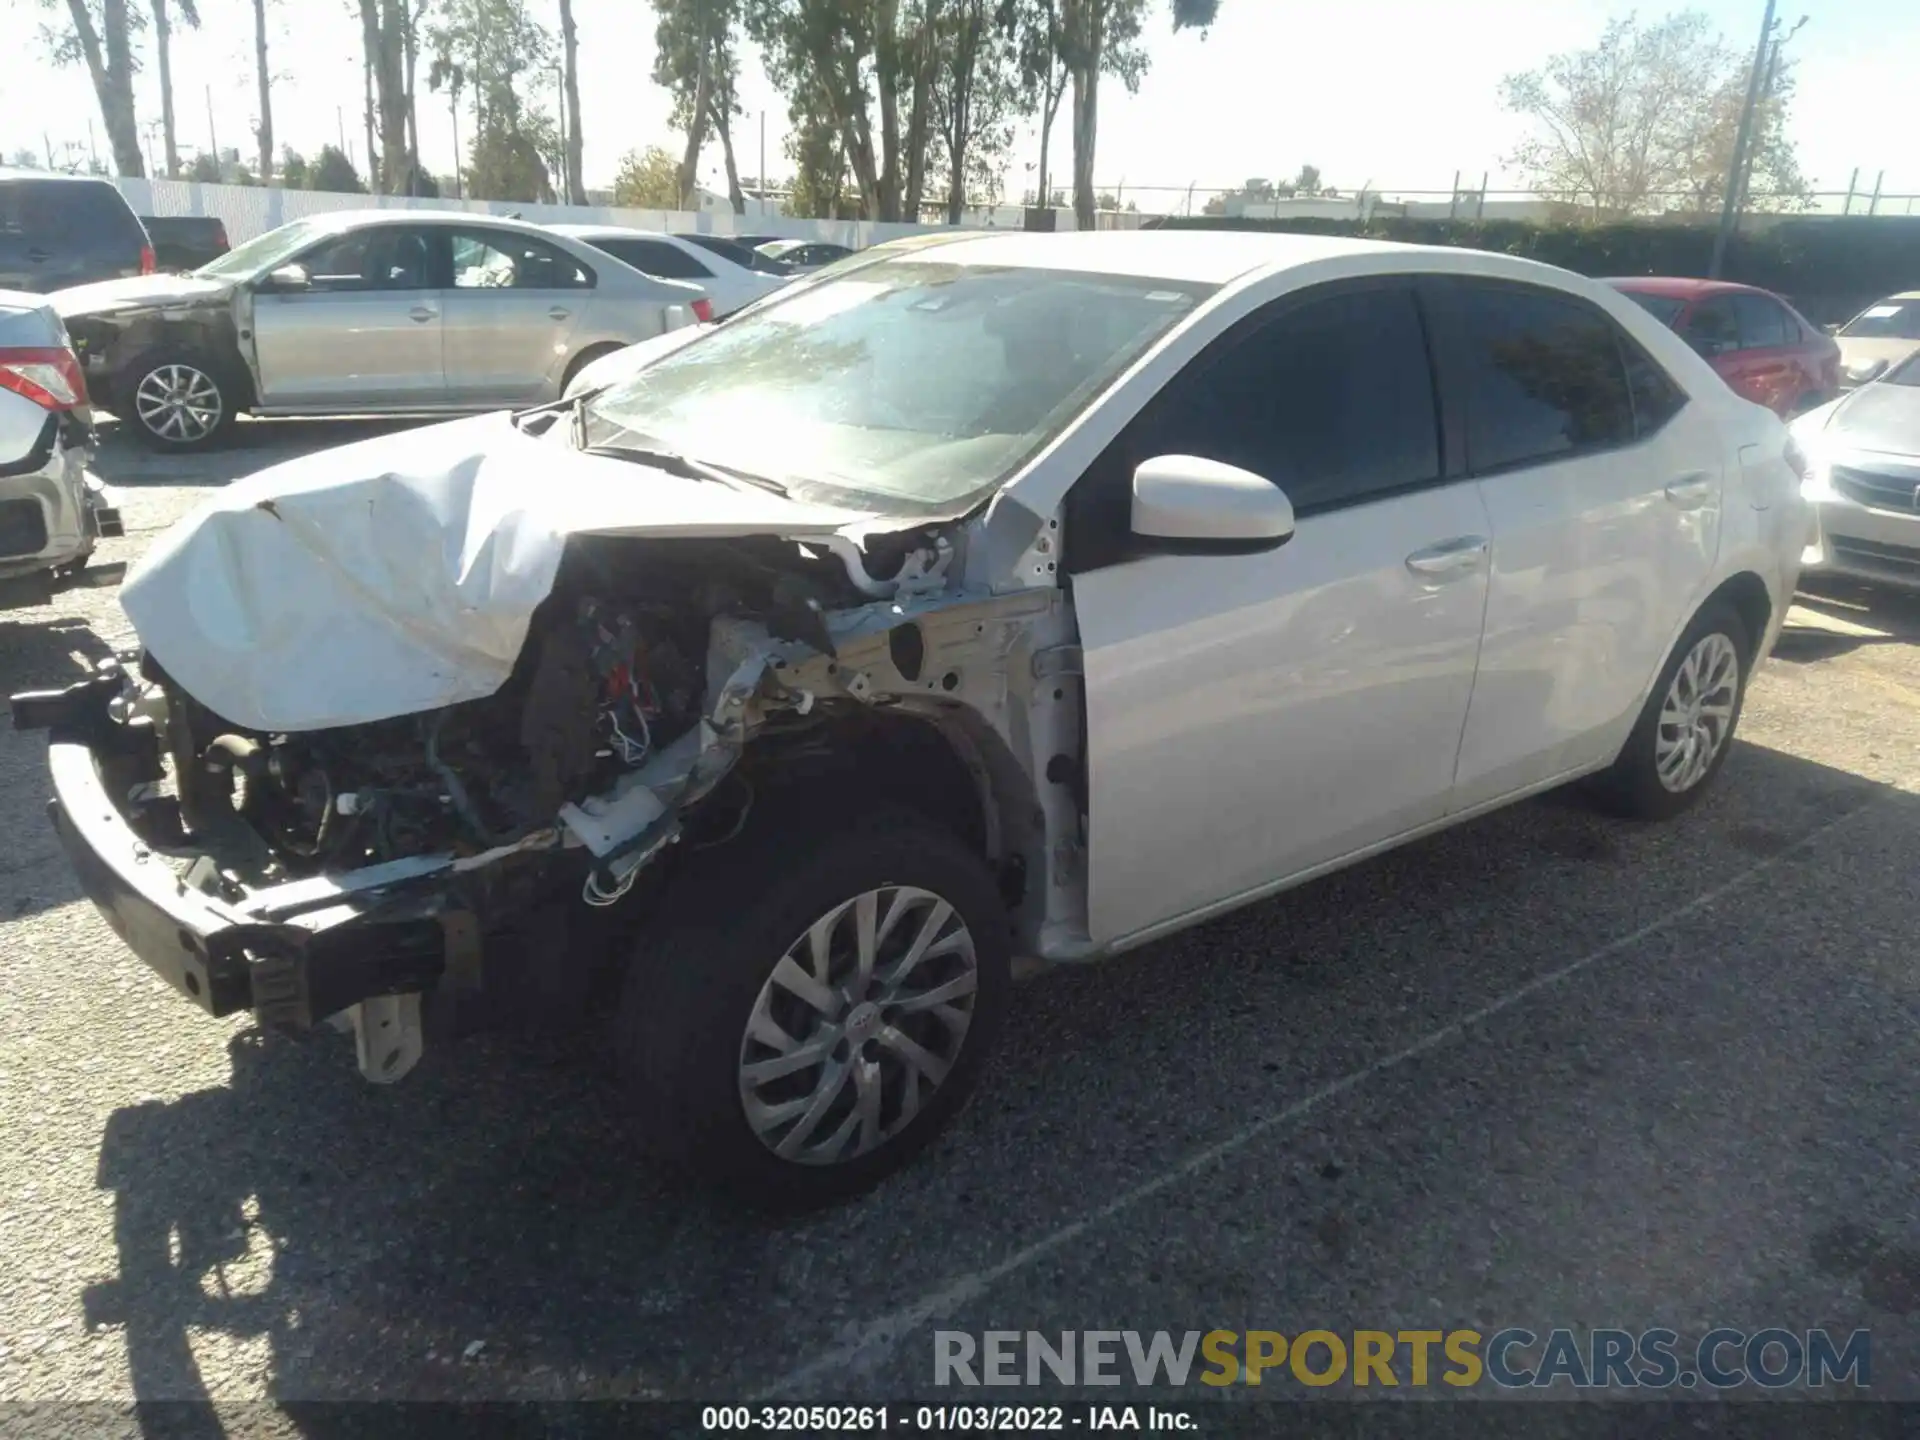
1759 344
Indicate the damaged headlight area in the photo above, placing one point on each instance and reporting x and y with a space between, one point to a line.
350 872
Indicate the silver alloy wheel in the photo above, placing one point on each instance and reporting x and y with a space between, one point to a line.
1697 715
857 1026
178 402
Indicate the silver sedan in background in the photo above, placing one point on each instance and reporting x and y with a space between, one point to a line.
1863 479
362 312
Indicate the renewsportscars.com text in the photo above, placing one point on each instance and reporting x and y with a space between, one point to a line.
1513 1358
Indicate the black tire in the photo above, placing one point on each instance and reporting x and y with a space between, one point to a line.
1632 786
151 370
585 358
728 920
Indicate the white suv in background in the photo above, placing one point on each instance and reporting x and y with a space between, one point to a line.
728 284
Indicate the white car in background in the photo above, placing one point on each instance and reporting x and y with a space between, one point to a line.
728 283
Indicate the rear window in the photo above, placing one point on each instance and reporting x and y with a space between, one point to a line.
1889 320
1663 308
71 210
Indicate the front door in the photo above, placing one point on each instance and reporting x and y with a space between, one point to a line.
1253 716
363 334
1603 490
510 312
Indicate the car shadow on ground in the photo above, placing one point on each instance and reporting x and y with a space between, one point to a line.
120 459
1847 617
488 1227
41 654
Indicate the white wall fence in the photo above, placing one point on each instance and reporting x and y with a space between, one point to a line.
250 210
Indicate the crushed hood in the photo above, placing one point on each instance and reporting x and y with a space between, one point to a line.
399 574
136 292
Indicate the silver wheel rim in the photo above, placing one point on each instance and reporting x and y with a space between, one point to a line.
1697 715
861 1021
178 402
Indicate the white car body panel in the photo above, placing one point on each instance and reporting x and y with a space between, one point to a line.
1272 711
1250 720
1595 566
399 574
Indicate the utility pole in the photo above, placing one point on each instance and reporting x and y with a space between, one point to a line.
1873 205
763 163
1730 204
453 111
213 141
1480 205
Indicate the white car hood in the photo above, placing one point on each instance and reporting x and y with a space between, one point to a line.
398 574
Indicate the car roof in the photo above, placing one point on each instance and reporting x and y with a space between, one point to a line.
610 232
342 219
1680 287
14 173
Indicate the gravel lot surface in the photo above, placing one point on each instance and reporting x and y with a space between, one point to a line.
1543 1070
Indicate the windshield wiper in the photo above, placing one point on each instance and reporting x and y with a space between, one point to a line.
684 466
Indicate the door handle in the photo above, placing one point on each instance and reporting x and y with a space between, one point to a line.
1449 557
558 312
38 256
421 313
1692 491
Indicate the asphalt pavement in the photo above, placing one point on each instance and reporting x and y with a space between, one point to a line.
1543 1070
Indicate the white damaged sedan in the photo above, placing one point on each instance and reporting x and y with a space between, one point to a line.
1020 600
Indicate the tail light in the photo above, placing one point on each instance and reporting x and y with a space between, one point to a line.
147 262
703 310
220 234
48 376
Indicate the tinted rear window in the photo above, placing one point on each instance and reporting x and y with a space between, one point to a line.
1663 308
1544 375
69 210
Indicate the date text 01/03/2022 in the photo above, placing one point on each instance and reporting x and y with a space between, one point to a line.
974 1418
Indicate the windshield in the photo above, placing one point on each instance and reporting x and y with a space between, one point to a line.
1663 308
1907 372
1889 320
904 387
264 252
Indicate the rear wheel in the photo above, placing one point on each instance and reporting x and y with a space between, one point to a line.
176 399
1685 732
816 1005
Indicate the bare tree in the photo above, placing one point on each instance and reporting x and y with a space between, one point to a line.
1644 122
99 35
576 185
163 58
264 130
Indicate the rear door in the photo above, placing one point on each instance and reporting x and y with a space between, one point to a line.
510 312
365 334
1253 716
1602 486
1770 352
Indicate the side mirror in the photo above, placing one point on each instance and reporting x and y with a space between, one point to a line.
287 277
1202 503
1707 346
1867 372
1832 327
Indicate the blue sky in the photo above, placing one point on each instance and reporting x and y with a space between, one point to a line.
1397 92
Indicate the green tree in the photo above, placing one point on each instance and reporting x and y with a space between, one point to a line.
697 60
99 33
295 173
332 170
1101 37
977 94
865 69
1645 121
647 180
490 48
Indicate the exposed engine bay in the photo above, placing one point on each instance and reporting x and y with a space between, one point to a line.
664 688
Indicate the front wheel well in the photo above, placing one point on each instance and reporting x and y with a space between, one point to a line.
585 358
